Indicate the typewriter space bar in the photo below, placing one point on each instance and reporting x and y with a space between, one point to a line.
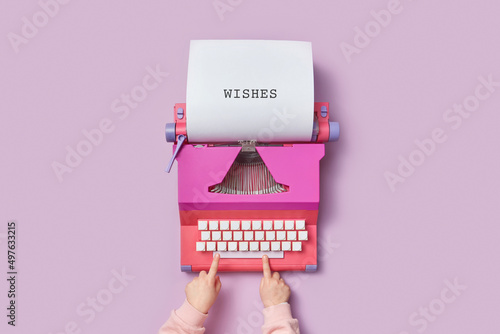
249 255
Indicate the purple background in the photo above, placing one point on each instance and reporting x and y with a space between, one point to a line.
385 254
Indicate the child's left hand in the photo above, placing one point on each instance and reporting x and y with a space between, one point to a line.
203 290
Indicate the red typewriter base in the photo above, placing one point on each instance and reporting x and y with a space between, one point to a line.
192 260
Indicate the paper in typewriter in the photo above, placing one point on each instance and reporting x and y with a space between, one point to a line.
250 90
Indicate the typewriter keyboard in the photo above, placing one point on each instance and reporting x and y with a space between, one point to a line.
251 238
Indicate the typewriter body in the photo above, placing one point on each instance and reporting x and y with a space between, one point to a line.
248 196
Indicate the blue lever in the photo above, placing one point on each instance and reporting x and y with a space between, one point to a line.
180 141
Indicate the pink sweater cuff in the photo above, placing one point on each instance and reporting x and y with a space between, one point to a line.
276 313
190 315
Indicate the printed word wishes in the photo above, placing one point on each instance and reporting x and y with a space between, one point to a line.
250 93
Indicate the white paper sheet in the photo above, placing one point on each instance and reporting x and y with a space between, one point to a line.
280 111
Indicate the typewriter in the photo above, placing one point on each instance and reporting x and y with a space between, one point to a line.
248 179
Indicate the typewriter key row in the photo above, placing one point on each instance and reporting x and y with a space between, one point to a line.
254 235
256 225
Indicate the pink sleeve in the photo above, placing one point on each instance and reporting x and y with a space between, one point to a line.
278 320
185 320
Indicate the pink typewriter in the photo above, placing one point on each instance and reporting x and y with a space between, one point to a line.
248 142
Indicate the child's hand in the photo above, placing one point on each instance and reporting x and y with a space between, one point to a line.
202 291
273 290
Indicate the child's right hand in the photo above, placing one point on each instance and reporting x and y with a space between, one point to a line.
273 289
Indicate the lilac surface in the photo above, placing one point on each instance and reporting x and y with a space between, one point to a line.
385 255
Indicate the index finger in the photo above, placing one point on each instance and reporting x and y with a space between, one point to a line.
266 267
214 266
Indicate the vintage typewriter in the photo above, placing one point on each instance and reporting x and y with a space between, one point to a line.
248 143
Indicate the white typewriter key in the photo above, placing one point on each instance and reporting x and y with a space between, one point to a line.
297 246
302 235
232 246
211 246
235 224
259 235
245 225
214 225
286 245
224 225
278 224
292 235
202 225
254 246
248 235
264 246
227 235
200 246
243 246
275 246
216 235
221 246
251 255
205 235
300 224
268 224
289 224
270 235
238 235
281 235
256 225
